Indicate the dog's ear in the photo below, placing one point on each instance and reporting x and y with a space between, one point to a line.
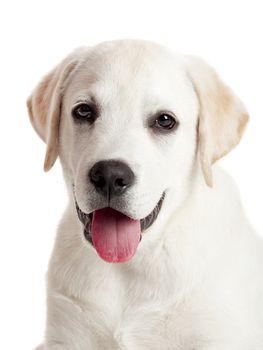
222 116
44 105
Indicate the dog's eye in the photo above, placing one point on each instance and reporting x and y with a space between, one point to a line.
165 121
83 112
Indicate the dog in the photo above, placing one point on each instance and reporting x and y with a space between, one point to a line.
154 250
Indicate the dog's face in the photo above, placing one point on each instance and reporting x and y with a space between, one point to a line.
134 107
125 119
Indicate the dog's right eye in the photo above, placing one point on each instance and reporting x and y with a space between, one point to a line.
83 112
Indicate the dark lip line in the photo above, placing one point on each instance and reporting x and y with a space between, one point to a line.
146 222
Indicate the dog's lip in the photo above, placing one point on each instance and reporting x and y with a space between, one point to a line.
150 219
146 222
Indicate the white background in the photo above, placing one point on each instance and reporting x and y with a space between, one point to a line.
35 35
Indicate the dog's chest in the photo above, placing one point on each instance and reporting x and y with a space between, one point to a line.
132 323
134 313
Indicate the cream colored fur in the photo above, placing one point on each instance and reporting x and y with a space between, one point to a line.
196 280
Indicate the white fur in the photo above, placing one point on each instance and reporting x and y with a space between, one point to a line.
196 280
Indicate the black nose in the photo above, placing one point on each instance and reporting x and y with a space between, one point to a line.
111 177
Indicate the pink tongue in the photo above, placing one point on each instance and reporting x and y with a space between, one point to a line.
114 235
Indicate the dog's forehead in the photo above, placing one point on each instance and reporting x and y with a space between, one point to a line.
132 72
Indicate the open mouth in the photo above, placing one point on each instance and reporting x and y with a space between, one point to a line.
114 235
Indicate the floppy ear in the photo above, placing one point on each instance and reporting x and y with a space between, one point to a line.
44 106
222 116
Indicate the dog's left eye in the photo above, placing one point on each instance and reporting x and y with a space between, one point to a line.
83 111
165 121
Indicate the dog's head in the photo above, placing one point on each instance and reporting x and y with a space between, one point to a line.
131 123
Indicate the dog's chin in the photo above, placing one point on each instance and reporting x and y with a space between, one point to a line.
145 223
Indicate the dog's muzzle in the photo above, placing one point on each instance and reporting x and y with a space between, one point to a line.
115 235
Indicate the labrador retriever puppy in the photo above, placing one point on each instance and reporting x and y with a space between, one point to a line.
154 251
